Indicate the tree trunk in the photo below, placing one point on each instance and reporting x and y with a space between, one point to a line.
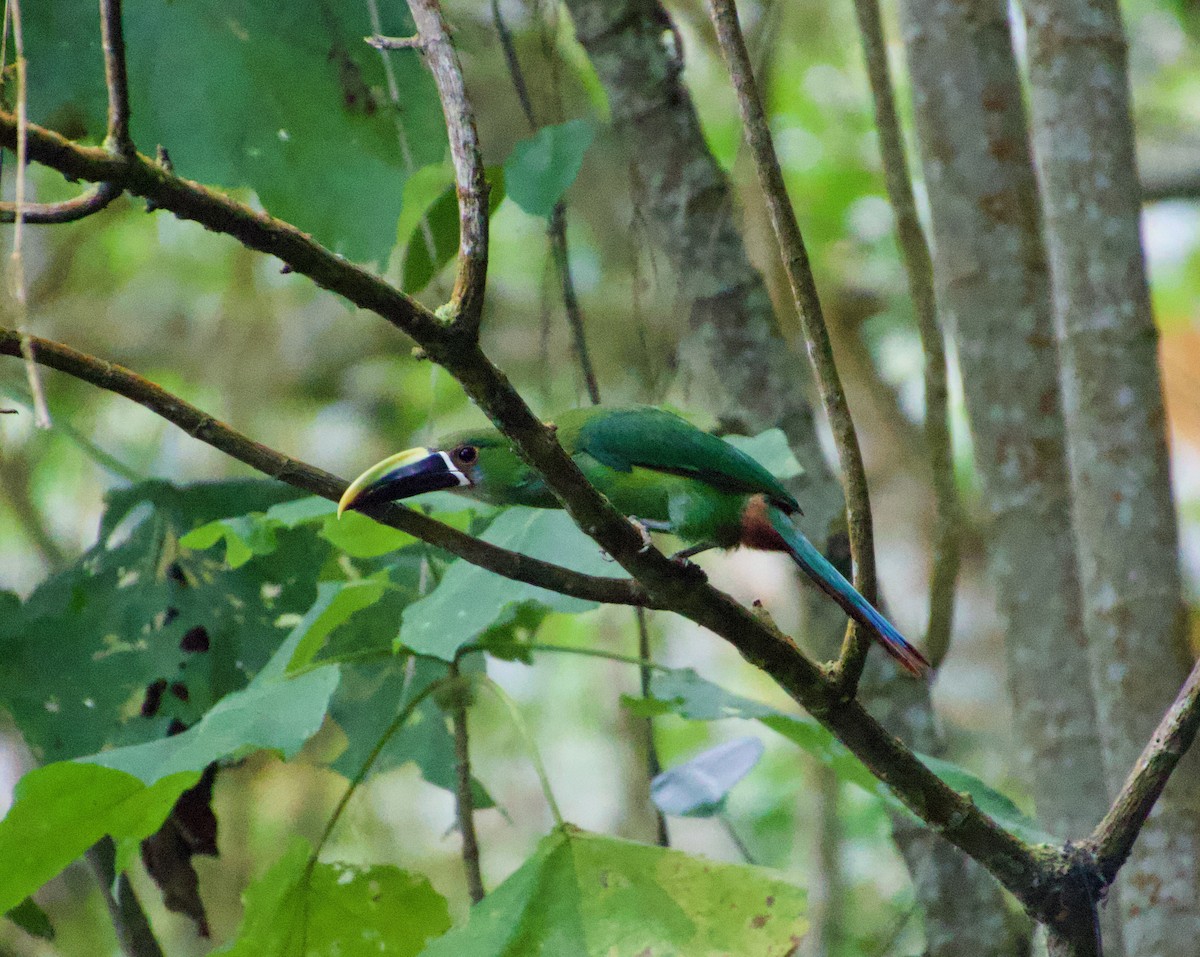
1124 516
994 289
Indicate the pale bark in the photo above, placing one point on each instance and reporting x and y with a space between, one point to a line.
1124 515
994 288
735 357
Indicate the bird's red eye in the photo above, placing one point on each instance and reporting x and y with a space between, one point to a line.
466 454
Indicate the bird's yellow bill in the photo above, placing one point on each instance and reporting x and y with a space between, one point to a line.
401 473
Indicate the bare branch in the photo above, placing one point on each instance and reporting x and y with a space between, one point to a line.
557 229
144 177
205 428
66 211
919 266
466 301
112 39
380 42
1115 835
808 305
117 140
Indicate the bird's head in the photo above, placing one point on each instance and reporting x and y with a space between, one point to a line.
459 463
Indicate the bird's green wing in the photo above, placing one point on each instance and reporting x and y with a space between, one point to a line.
656 439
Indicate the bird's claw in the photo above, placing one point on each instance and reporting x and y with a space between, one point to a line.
647 542
692 570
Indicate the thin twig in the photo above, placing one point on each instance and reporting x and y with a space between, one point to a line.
14 486
466 301
41 412
117 140
116 79
516 74
65 211
556 230
398 722
380 42
1114 837
535 756
464 799
848 668
393 88
298 474
562 263
919 266
653 762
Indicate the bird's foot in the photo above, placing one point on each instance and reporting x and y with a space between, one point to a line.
647 542
690 568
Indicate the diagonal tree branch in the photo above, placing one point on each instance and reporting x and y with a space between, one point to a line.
144 177
808 305
1114 836
205 428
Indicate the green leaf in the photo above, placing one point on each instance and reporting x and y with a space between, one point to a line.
583 894
998 806
290 101
332 908
31 919
276 713
362 537
137 632
769 449
301 511
469 601
421 190
61 810
685 693
336 603
542 168
441 218
244 538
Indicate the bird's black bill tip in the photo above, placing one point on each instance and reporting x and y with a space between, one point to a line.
402 476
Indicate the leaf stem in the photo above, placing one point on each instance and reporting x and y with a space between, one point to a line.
464 801
527 739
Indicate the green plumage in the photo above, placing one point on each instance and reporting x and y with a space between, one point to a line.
653 466
649 462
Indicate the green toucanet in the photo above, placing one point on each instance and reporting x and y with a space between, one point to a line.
653 466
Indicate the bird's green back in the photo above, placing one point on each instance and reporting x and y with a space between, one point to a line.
651 438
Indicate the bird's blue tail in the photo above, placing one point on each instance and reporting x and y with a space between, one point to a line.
833 584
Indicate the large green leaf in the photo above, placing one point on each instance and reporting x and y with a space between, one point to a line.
591 896
282 98
139 632
61 810
277 714
470 601
295 910
542 168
